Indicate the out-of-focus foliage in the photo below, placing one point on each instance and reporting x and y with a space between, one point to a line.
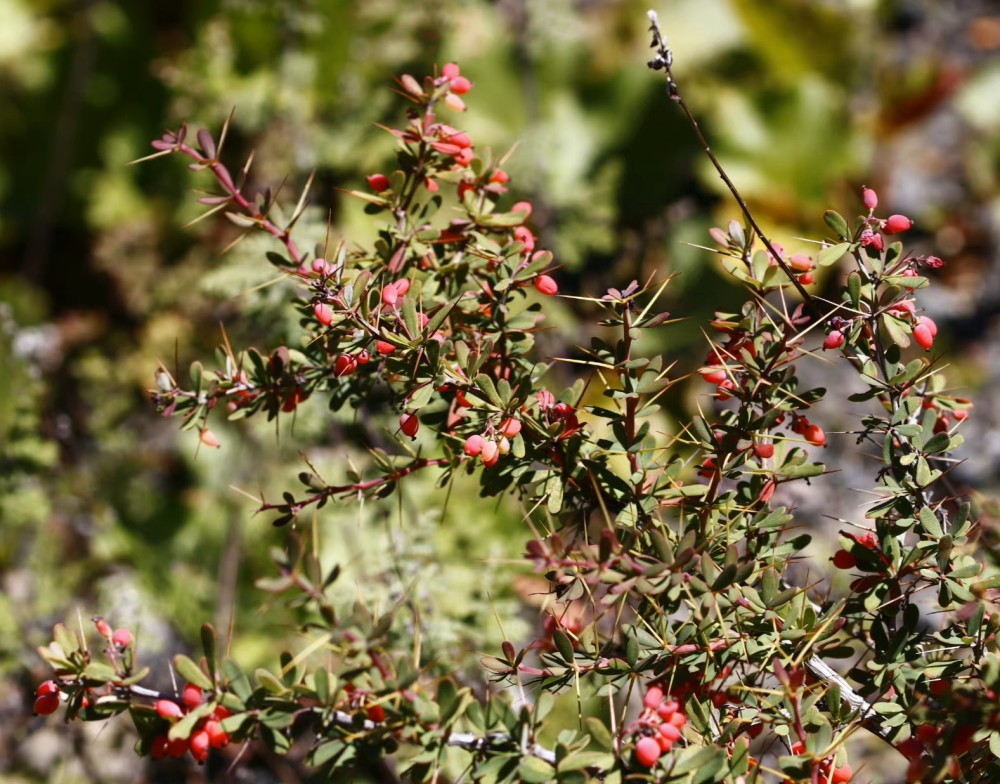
107 510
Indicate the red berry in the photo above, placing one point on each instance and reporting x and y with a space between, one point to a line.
806 279
500 177
46 704
842 775
384 347
670 732
160 747
526 237
715 376
375 713
764 451
474 445
47 687
390 296
647 752
345 365
843 559
199 745
450 70
409 424
834 340
510 427
460 85
222 712
167 709
815 435
653 697
363 357
929 322
378 182
217 737
923 335
177 747
546 285
122 638
895 224
323 313
869 198
490 454
192 696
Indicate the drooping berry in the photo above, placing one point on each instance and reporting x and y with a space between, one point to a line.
923 335
199 745
869 198
523 206
46 704
647 752
217 737
815 435
843 559
47 687
764 451
544 284
474 445
192 696
160 747
409 424
323 313
208 438
490 454
510 427
344 365
834 340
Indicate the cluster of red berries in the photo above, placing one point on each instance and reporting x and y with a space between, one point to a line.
494 443
47 698
827 773
660 726
812 433
207 733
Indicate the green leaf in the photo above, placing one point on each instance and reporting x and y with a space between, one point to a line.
485 384
191 672
564 645
99 671
600 733
533 770
832 254
836 223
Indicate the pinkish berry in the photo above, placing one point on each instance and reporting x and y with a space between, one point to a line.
390 296
870 199
500 177
474 445
895 224
319 266
653 697
103 627
167 709
450 70
192 696
460 85
490 454
323 313
933 262
869 239
122 638
378 182
834 340
546 285
510 427
647 752
800 263
924 337
217 737
209 439
526 237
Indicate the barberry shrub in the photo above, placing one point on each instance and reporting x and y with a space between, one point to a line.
675 622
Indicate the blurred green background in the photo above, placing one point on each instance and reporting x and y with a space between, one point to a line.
106 509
